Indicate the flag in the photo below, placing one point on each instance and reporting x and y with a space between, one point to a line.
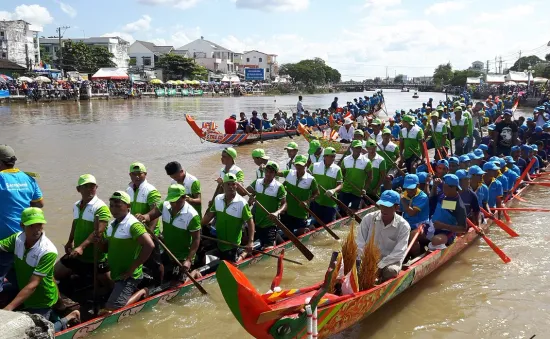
350 282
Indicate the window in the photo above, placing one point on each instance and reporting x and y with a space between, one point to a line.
132 61
260 59
146 61
266 70
4 56
247 59
2 34
47 49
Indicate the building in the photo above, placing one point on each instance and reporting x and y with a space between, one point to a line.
214 57
116 45
257 59
9 67
423 80
478 66
145 54
19 43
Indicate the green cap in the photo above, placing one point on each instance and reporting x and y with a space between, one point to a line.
458 109
329 151
434 114
440 108
376 122
386 131
259 153
175 191
408 118
300 160
138 167
122 196
314 146
7 154
371 143
229 177
231 152
32 215
86 179
456 103
292 145
273 165
360 132
357 143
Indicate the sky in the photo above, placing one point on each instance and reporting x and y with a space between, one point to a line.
361 38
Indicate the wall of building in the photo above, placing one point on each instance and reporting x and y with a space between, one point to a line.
255 59
138 51
17 43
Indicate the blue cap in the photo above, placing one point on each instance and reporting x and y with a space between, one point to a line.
476 170
461 174
535 147
411 181
509 160
479 153
523 127
502 162
526 148
514 148
422 168
451 180
422 176
530 119
443 162
453 160
546 125
483 147
495 159
508 112
540 108
389 198
538 129
490 166
491 127
472 156
463 158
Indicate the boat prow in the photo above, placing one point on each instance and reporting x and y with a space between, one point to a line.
193 124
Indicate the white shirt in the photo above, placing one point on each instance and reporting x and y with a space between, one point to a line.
281 123
361 120
299 107
392 240
346 134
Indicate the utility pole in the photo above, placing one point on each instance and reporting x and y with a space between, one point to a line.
519 54
496 70
59 36
487 66
500 65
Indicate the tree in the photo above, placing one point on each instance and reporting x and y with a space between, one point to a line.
459 77
77 56
398 79
176 67
547 57
523 63
377 80
311 72
45 56
132 62
443 74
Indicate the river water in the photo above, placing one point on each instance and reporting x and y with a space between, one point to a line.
474 296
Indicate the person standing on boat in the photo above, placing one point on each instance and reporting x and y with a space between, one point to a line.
334 105
315 152
192 185
357 174
128 247
299 105
260 159
459 128
378 169
376 126
271 194
391 235
231 211
410 140
505 134
181 224
291 150
256 124
388 150
329 177
79 251
346 131
229 155
230 124
18 190
144 197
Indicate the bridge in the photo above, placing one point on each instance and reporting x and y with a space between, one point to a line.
361 87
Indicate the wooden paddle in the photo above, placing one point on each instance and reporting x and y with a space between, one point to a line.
418 231
372 202
96 259
304 205
522 209
173 257
427 156
495 248
520 179
244 247
500 223
545 184
299 245
343 206
390 159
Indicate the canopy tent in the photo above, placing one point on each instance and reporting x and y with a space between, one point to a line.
495 79
41 78
233 78
27 79
472 81
517 76
155 81
539 80
110 74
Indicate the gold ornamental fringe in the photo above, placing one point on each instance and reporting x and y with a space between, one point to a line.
368 272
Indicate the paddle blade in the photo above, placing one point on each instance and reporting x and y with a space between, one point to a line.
507 217
497 250
501 224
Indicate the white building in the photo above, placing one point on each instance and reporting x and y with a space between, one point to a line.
256 59
210 55
19 43
145 54
116 45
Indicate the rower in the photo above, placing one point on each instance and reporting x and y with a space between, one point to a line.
79 249
230 124
271 194
410 139
478 186
459 128
468 196
388 150
181 224
357 173
255 123
464 162
243 124
144 197
229 155
496 191
329 176
315 152
304 186
454 164
394 128
485 149
35 255
128 247
378 169
266 123
477 158
346 131
376 126
391 241
291 151
510 175
500 177
231 211
438 130
415 207
192 185
505 134
260 159
448 214
511 164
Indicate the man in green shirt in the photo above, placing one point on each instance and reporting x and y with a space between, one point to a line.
79 249
192 185
271 194
181 225
144 197
292 151
315 152
459 127
410 149
229 156
329 178
128 246
260 159
388 150
378 169
438 130
357 173
231 211
304 187
34 260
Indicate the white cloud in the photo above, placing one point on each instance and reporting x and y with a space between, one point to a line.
179 36
142 24
381 3
273 5
67 9
507 13
123 35
34 14
445 7
181 4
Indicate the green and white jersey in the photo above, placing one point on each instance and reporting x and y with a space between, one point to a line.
177 229
302 188
270 197
412 139
357 171
438 132
458 127
470 122
37 260
235 170
378 166
290 164
192 186
83 220
313 158
123 246
328 178
230 219
260 173
391 153
144 199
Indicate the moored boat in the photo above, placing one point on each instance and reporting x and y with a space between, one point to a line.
415 95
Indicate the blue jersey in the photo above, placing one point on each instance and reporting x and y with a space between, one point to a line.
17 191
504 181
482 193
309 121
495 191
395 131
420 202
512 178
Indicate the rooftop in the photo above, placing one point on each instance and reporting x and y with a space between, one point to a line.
156 49
6 64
